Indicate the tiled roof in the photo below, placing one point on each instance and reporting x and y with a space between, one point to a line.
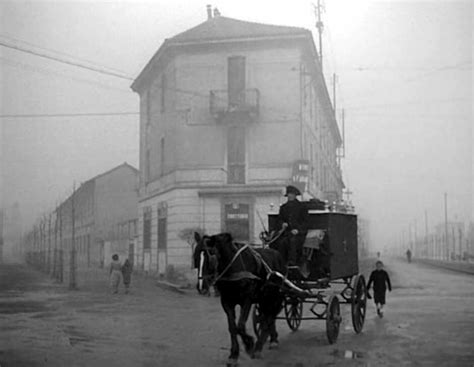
222 28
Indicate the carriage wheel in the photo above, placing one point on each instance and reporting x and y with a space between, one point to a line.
333 319
358 303
293 312
256 319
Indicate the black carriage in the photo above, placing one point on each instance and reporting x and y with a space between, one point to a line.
329 276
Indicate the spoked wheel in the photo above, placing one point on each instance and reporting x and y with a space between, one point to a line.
333 319
358 303
256 320
293 312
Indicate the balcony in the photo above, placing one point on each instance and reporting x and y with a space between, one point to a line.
238 108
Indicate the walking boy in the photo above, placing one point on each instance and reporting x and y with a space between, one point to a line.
381 281
127 269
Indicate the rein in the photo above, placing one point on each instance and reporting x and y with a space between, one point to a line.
275 238
231 262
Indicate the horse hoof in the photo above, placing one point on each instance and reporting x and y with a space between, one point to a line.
231 362
273 345
257 355
249 347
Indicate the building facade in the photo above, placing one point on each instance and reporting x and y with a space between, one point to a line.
230 113
83 230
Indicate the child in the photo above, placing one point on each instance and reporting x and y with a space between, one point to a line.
115 273
127 270
380 279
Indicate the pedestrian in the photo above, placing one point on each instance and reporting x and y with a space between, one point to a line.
115 273
409 256
127 269
292 219
379 277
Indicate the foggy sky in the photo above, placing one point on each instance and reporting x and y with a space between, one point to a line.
404 79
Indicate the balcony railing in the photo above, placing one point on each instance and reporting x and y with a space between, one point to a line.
240 106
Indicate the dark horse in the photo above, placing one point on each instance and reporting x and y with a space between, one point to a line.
246 276
205 263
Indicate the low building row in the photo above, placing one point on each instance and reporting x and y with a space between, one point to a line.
97 220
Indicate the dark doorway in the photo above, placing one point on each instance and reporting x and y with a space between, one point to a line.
237 221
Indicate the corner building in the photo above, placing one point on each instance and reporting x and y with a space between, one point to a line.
229 113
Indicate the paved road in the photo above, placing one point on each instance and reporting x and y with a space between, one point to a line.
429 321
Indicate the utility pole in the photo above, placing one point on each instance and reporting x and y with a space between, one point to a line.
334 80
55 256
320 27
446 242
72 265
49 245
417 250
61 256
426 234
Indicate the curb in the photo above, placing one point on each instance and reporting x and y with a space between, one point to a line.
465 268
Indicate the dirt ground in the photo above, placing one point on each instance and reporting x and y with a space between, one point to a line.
429 321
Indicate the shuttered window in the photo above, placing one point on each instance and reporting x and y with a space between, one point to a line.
236 155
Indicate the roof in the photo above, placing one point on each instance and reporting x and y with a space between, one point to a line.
223 28
125 164
91 180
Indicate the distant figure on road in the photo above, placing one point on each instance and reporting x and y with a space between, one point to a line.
381 281
115 273
409 256
127 269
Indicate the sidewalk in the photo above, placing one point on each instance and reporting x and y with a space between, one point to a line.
459 266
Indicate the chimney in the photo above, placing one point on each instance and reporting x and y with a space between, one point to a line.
216 12
209 12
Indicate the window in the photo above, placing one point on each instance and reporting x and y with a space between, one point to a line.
148 108
162 156
236 155
236 81
163 92
162 226
147 229
147 166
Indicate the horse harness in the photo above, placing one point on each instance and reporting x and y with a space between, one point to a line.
248 275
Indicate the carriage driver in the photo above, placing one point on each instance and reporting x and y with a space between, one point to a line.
292 218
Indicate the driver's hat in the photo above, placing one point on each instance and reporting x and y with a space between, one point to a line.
292 190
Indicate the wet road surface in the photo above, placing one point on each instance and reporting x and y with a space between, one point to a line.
429 321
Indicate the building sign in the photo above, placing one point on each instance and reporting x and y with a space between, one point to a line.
300 176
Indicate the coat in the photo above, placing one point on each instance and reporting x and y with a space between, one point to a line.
127 270
295 214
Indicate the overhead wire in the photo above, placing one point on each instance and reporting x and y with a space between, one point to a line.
61 53
64 61
69 114
46 71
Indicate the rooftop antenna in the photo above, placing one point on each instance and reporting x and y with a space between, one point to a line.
318 9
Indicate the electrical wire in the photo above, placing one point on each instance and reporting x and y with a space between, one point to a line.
62 75
61 53
64 61
69 114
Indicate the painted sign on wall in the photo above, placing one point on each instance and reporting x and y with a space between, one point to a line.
300 176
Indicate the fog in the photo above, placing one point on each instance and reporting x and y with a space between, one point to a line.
404 74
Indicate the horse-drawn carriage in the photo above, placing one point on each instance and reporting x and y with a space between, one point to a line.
329 276
255 277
